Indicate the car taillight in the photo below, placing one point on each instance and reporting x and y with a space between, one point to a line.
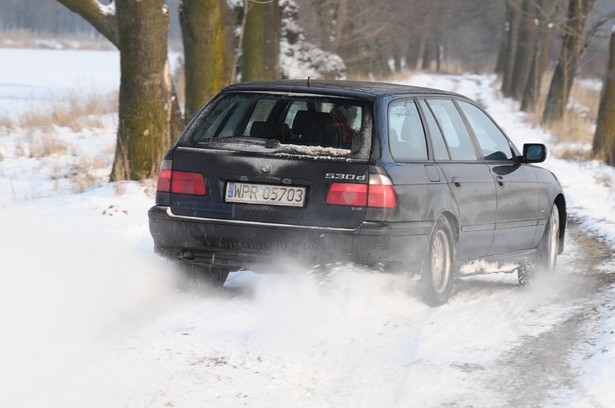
347 194
378 193
180 182
381 192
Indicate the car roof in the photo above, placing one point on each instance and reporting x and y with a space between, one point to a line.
355 89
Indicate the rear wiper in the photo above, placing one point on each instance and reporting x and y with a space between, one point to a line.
268 143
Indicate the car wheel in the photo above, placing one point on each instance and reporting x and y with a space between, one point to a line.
439 265
548 249
206 275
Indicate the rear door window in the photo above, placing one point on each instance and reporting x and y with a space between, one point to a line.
453 129
312 125
406 132
440 151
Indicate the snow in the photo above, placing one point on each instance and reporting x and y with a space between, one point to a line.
89 316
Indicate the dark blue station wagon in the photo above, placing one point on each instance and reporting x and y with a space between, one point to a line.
393 177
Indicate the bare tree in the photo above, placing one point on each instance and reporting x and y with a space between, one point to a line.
604 139
574 44
526 44
547 11
513 18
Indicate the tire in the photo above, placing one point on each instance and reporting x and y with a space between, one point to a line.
203 275
548 249
439 265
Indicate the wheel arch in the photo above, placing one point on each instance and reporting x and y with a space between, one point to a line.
454 223
560 202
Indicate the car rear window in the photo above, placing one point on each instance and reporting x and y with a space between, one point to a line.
283 124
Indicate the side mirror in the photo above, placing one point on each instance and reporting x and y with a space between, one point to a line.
534 153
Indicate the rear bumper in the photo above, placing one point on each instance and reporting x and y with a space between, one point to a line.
239 244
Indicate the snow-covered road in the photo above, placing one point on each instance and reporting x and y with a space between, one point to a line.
89 316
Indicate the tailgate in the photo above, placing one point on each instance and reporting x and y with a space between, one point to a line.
268 188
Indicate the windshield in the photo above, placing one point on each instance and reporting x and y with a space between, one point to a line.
312 125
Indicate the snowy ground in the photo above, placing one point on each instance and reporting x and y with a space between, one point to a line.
90 317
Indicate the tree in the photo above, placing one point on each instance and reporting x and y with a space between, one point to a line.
573 47
526 43
513 17
139 30
545 16
206 57
260 43
604 138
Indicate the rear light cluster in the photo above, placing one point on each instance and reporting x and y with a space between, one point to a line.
378 193
180 182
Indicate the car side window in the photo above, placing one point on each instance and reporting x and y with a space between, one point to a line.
453 128
406 133
439 147
493 144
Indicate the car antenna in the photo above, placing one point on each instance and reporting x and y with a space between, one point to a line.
308 82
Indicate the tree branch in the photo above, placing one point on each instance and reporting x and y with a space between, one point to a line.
102 17
593 31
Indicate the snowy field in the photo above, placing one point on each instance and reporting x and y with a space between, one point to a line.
89 317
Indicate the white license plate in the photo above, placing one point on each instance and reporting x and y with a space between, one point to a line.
248 193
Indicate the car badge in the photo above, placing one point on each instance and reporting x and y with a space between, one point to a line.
266 168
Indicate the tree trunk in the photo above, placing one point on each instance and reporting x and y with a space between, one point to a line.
513 15
604 139
525 48
427 59
204 40
145 89
149 115
413 54
502 51
546 12
573 46
261 42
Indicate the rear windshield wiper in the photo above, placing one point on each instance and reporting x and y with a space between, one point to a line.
254 141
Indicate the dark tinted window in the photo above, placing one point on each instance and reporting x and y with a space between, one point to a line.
342 126
453 128
492 142
406 133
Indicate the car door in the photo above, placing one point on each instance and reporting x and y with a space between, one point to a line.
469 179
516 186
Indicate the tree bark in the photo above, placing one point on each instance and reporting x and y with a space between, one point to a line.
525 48
145 89
546 13
260 56
204 39
604 139
512 18
573 47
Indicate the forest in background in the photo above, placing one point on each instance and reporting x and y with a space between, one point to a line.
526 42
466 35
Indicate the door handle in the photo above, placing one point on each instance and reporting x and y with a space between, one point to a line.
500 181
456 181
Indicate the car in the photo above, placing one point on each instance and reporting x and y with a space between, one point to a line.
388 176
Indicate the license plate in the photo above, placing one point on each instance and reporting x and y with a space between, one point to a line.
248 193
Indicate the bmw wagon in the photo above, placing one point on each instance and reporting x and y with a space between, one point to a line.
393 177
